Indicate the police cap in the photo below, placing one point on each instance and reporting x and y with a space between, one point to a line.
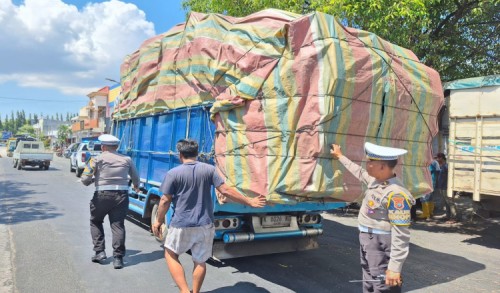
382 153
108 139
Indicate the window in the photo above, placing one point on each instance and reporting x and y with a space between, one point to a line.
26 145
35 146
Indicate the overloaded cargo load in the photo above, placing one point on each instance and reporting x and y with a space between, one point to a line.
282 87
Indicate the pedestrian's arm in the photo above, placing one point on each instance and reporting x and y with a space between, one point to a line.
256 202
163 207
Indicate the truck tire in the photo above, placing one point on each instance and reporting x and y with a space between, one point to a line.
78 172
19 165
71 167
46 166
164 229
14 163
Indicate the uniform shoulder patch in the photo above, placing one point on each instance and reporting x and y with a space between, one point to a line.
89 170
399 209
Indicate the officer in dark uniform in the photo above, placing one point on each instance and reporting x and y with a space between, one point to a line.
110 172
384 217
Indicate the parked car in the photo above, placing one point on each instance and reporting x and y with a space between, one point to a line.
70 149
79 157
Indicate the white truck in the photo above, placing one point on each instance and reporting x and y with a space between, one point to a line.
474 140
31 153
78 157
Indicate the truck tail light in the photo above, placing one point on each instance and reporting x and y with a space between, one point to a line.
309 219
226 223
83 157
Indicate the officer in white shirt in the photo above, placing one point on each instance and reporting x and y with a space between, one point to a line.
110 171
384 217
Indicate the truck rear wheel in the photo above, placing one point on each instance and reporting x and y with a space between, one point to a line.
78 172
19 165
14 163
46 166
164 228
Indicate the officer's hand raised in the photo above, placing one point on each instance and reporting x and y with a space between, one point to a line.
336 151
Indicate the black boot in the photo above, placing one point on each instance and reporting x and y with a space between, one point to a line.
99 256
118 262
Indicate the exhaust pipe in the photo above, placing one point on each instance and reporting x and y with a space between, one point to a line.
247 237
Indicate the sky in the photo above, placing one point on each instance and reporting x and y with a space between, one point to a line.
55 52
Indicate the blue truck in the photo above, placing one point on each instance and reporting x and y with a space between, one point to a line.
240 230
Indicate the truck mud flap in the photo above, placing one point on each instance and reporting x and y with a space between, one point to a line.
222 250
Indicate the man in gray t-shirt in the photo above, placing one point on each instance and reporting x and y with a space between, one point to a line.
188 187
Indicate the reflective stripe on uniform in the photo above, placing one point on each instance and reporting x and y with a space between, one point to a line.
111 187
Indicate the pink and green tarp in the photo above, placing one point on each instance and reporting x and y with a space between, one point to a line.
284 87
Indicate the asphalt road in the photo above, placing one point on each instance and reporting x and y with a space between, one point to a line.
45 246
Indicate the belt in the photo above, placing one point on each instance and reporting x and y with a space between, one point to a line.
111 187
364 229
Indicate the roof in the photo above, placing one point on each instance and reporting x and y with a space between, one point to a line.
474 82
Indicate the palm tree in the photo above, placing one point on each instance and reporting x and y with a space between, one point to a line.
63 133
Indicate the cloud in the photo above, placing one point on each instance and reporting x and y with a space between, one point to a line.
54 45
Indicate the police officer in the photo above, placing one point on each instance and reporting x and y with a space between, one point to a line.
110 172
384 217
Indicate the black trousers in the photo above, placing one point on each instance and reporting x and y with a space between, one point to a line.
375 250
115 205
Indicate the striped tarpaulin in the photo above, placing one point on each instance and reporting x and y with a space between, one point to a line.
284 87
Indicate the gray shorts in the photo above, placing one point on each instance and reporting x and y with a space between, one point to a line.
199 239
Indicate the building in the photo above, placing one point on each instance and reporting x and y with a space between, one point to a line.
113 100
91 120
48 127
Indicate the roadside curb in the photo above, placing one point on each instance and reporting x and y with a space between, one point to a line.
6 274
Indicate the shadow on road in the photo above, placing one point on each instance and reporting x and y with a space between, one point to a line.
17 206
483 232
240 287
134 257
336 262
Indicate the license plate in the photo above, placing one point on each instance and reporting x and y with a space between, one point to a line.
276 221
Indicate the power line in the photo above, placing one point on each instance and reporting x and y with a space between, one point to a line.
39 100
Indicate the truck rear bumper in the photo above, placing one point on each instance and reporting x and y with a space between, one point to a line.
223 250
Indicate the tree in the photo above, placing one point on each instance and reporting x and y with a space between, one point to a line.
63 133
458 38
1 124
26 129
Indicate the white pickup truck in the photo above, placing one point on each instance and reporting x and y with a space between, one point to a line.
78 157
31 153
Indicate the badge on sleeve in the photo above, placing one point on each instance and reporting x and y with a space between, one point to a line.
89 170
399 209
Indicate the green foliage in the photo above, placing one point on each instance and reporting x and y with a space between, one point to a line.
63 133
458 38
26 129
